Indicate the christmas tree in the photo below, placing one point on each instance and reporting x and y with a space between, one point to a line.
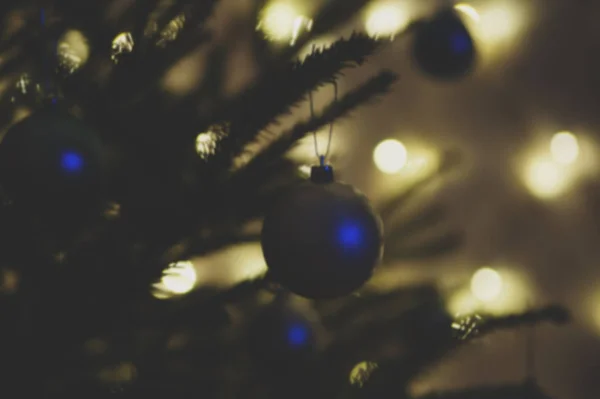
147 180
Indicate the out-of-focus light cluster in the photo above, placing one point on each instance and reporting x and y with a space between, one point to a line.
394 157
553 171
282 21
123 43
486 284
72 51
386 19
179 279
467 327
491 291
390 156
495 24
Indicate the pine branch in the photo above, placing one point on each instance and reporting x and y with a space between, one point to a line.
422 358
280 90
519 391
376 86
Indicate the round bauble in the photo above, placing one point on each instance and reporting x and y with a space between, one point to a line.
52 161
283 335
443 47
322 240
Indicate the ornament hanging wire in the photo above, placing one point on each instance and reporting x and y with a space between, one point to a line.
322 157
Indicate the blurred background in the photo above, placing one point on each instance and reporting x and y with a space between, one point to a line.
526 194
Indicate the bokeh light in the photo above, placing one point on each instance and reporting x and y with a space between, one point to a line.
386 19
179 278
123 43
545 179
496 24
73 51
390 156
486 284
282 21
469 11
492 290
564 148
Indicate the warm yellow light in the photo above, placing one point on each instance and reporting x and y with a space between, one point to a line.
564 148
73 50
390 156
206 144
500 23
545 178
486 284
180 278
123 43
385 19
361 372
281 22
469 11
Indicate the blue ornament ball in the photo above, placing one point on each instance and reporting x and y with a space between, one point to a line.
322 240
443 47
284 335
53 161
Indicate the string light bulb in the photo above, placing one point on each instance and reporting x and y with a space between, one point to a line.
283 22
390 156
179 278
486 284
564 148
385 19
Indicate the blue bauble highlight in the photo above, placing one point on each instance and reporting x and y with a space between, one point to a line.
298 335
350 235
71 162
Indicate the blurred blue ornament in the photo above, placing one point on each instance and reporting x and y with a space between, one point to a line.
322 240
72 162
53 162
298 335
443 47
283 334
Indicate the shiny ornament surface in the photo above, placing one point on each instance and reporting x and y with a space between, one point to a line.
443 47
322 240
52 160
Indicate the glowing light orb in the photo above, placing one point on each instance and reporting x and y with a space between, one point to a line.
469 11
281 22
486 285
180 278
385 19
390 156
545 178
500 23
564 148
73 50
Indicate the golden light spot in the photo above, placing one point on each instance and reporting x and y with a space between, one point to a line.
385 19
73 51
179 279
361 373
486 285
469 11
564 148
283 22
206 144
122 44
545 178
390 156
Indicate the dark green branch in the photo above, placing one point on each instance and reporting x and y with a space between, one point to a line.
280 90
376 86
